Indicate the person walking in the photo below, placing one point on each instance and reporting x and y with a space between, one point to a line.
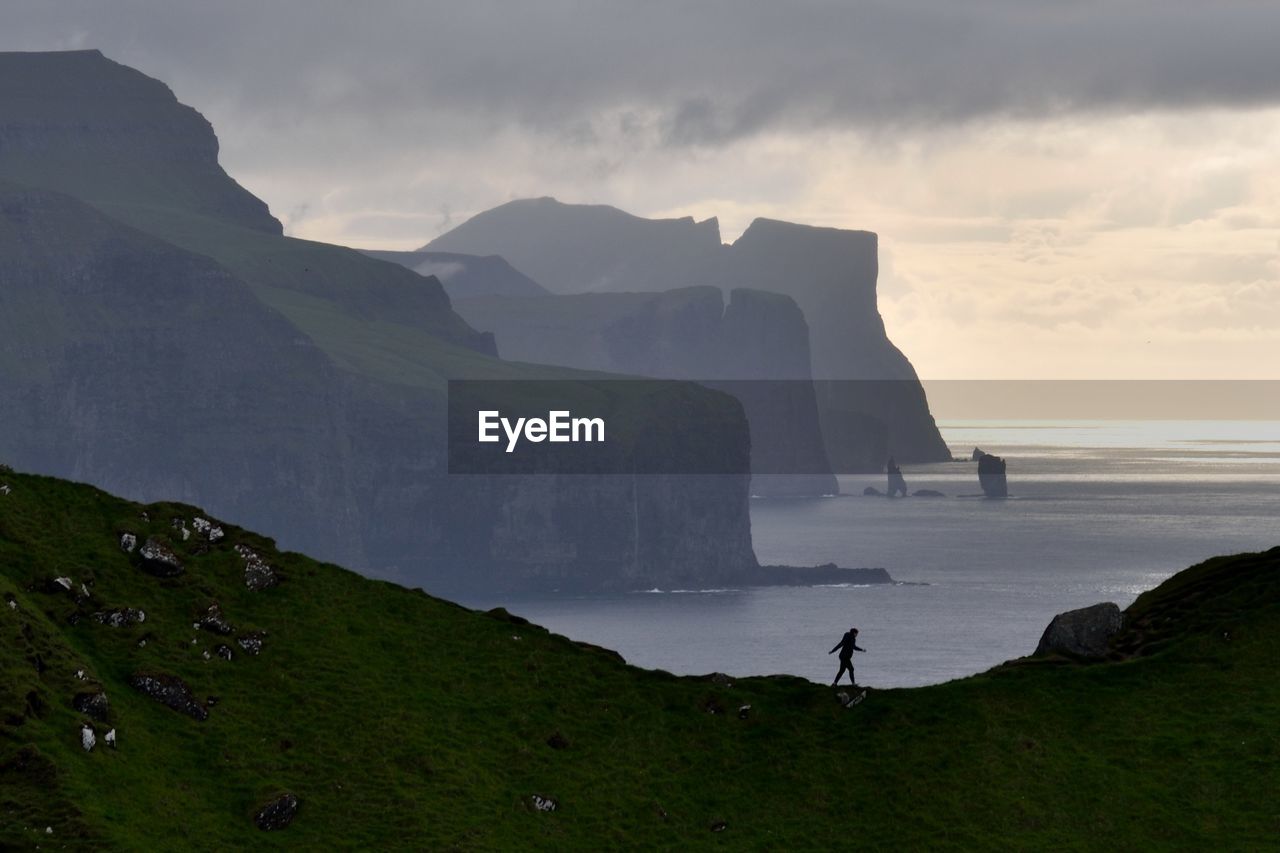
847 646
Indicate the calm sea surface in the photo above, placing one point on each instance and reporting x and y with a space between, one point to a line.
1099 511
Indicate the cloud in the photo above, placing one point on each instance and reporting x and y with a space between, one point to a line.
707 72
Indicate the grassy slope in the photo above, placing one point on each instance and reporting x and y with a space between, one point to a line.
406 722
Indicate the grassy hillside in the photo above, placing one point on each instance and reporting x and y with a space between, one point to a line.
404 722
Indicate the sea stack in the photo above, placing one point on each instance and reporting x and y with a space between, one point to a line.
897 483
991 474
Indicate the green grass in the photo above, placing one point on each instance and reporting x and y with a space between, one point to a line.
405 722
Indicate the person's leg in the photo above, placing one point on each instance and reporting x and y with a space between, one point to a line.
843 666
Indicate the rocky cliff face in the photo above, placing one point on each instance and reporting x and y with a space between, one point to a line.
175 345
830 274
77 122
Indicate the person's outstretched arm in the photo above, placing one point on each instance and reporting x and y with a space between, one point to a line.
858 648
836 646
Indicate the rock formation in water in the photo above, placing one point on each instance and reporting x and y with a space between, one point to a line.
875 406
897 484
160 338
991 475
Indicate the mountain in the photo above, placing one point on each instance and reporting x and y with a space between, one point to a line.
159 336
247 686
873 394
76 122
466 276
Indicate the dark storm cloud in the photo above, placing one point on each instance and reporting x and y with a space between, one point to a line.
681 72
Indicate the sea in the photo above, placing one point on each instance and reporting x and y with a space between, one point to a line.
1099 510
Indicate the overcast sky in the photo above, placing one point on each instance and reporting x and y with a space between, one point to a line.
1062 188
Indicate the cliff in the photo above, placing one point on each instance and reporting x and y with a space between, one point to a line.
164 339
77 122
875 405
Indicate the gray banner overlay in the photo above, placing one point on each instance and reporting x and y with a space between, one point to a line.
806 429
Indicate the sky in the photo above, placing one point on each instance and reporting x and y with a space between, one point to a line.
1062 188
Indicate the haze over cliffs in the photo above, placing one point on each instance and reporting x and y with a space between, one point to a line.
159 337
875 408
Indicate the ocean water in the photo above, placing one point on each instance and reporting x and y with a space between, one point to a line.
1099 511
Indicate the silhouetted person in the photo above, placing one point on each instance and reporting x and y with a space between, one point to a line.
896 482
848 645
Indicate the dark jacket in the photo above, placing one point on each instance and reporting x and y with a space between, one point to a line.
848 643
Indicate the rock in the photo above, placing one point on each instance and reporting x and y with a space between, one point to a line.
158 559
207 529
92 703
128 542
927 493
872 492
978 453
543 804
223 651
278 813
744 712
181 526
720 679
712 705
170 691
212 620
558 741
502 615
257 574
897 484
251 643
88 739
65 583
120 617
718 826
1082 633
110 739
991 475
844 698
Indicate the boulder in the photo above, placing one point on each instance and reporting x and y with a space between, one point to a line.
872 492
158 559
251 642
92 703
213 621
927 493
1082 633
170 691
120 617
88 739
278 813
128 542
257 574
